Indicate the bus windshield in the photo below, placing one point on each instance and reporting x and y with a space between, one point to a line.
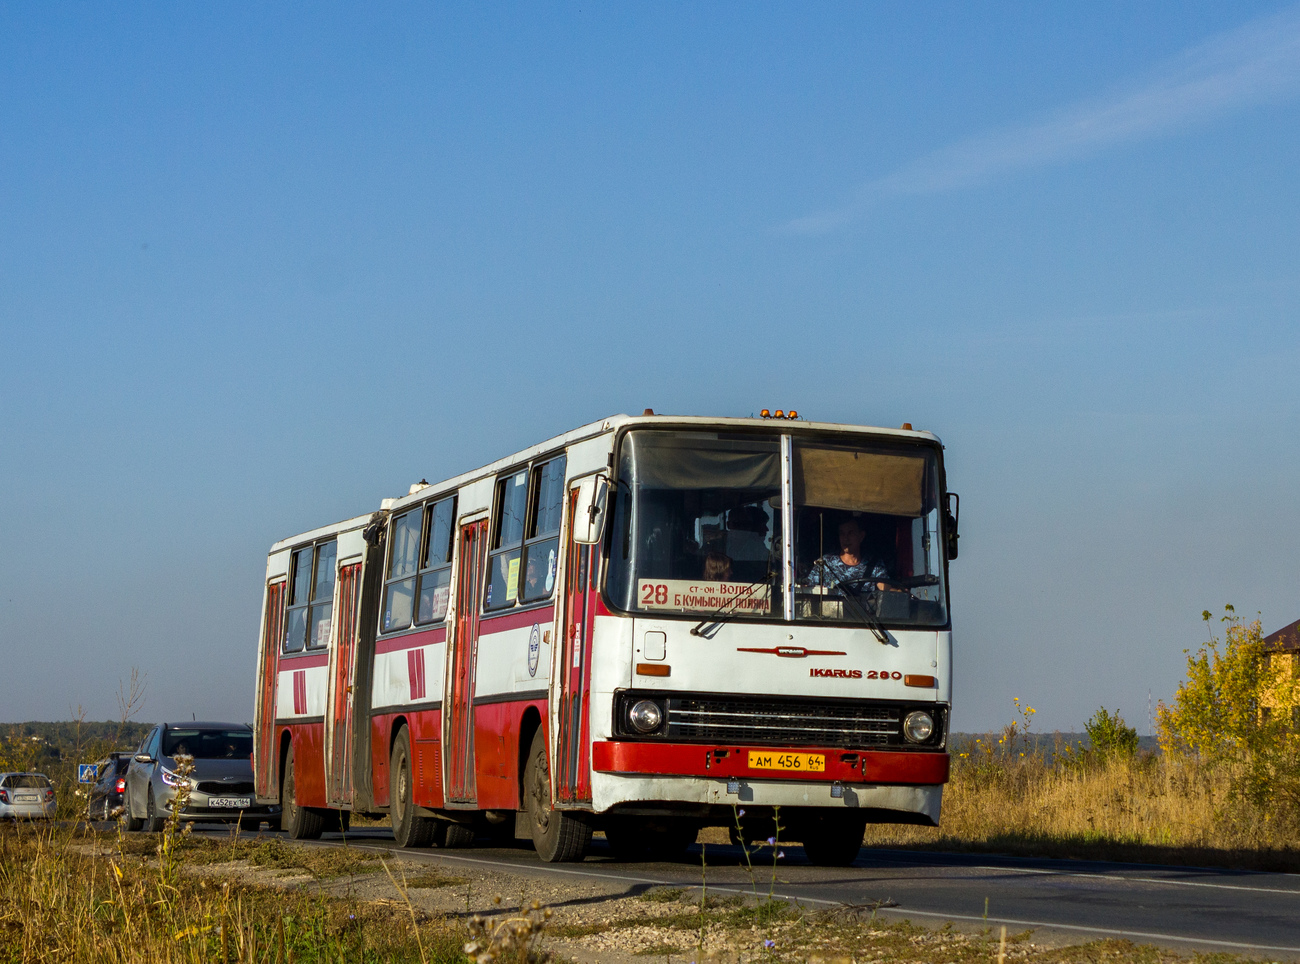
697 524
697 529
866 534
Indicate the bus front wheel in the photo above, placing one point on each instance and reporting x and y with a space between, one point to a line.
559 836
832 838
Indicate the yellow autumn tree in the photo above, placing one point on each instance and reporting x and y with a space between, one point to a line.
1219 715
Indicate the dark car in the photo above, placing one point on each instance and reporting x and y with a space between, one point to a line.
109 789
220 786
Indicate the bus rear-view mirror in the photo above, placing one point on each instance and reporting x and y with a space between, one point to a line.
589 513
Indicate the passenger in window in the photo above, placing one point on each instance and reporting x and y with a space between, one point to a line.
746 534
850 568
717 567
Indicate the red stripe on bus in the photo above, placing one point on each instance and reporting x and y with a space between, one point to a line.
721 762
499 624
304 662
395 644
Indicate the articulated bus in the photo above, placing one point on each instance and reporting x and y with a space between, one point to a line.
642 627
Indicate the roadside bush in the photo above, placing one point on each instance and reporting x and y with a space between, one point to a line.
1110 735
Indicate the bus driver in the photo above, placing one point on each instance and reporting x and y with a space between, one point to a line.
849 567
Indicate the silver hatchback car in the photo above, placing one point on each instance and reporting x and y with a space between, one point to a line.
220 786
26 796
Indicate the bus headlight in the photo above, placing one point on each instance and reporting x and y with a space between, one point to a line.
645 716
917 726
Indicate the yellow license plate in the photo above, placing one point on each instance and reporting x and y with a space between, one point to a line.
797 762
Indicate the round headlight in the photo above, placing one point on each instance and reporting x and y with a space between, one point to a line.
645 716
917 726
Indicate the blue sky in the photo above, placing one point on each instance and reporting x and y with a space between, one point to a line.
263 265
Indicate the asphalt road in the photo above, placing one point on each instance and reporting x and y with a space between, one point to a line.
1061 901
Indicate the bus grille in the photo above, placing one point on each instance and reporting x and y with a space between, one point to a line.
783 723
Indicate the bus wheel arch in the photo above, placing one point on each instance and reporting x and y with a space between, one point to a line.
529 724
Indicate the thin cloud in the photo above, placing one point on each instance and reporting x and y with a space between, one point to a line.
1252 64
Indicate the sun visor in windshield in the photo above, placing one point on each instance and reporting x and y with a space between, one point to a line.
671 461
835 478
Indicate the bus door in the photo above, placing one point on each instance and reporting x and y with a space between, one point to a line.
338 734
571 762
459 706
264 749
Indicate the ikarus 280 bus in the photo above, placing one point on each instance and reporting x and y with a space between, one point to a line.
641 627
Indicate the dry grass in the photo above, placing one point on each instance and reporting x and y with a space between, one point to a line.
66 901
1146 808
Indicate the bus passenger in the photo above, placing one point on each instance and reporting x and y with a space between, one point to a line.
717 567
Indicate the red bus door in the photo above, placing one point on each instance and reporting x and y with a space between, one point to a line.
264 749
342 673
571 760
459 707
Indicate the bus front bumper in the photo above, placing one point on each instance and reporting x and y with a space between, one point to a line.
893 767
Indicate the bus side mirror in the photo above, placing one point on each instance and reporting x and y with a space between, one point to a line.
954 514
589 512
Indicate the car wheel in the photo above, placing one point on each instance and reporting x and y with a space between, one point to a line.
130 822
152 822
410 829
559 836
300 823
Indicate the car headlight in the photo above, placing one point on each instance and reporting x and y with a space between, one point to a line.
645 716
917 726
171 779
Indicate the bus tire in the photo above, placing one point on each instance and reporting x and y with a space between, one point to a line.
559 836
632 838
832 838
457 835
410 829
300 823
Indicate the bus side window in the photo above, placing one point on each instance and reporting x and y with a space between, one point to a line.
435 562
542 546
399 585
295 635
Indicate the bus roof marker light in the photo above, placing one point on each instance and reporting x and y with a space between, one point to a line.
648 411
765 414
780 414
906 426
792 414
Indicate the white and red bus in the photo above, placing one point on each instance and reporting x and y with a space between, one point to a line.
641 627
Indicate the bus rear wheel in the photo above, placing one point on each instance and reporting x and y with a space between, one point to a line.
410 829
559 836
300 823
832 838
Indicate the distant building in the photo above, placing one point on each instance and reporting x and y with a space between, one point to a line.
1282 650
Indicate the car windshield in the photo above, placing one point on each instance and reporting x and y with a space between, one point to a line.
697 524
26 781
207 744
866 534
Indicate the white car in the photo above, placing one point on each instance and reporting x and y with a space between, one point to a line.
28 795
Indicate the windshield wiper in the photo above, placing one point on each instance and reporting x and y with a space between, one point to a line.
851 596
726 608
